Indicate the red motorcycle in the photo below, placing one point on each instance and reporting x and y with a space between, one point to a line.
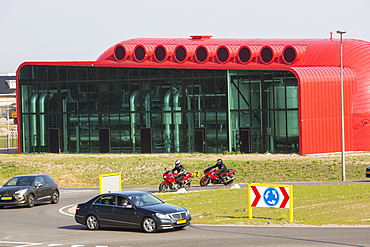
212 175
169 182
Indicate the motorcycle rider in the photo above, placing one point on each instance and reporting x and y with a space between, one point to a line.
222 169
180 169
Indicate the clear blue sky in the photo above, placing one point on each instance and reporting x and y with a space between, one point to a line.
80 30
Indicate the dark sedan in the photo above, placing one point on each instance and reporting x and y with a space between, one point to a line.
368 172
28 190
133 209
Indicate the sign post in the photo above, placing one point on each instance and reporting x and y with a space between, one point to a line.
271 196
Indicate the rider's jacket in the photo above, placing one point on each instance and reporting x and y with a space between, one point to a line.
221 167
179 169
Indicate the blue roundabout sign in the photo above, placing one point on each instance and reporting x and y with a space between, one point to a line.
271 196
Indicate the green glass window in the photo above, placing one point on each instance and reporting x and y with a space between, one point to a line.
78 102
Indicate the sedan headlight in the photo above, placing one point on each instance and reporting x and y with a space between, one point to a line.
162 216
187 212
21 192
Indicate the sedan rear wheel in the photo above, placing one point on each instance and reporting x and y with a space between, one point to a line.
149 225
55 197
31 200
92 222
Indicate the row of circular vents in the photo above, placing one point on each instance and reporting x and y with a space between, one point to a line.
204 53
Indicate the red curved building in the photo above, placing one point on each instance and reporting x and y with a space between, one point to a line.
199 94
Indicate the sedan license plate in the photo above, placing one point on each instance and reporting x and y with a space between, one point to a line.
8 198
181 221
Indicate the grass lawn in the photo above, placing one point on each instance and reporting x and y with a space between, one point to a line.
313 205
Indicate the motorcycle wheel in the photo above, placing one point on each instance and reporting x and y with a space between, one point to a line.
187 186
163 187
204 182
229 182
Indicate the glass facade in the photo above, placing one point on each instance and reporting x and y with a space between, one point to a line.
131 110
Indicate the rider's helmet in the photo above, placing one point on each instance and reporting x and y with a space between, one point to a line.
177 163
219 161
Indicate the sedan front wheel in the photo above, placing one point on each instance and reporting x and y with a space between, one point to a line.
149 225
55 197
31 200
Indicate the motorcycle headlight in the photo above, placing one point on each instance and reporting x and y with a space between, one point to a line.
162 216
21 192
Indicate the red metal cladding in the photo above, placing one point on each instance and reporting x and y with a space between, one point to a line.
270 53
247 53
163 52
143 52
319 108
225 53
292 53
204 53
184 52
122 52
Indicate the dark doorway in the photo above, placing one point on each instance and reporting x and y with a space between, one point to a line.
200 139
54 140
104 140
146 140
245 140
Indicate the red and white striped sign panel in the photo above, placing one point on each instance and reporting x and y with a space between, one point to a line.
274 196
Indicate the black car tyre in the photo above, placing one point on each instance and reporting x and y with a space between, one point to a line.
163 187
30 200
92 222
55 197
204 182
149 225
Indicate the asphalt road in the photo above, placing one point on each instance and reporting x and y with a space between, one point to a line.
8 150
54 225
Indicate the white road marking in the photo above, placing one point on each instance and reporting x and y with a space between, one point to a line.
27 244
22 244
68 214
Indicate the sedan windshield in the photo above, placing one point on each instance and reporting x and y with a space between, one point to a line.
20 181
144 200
